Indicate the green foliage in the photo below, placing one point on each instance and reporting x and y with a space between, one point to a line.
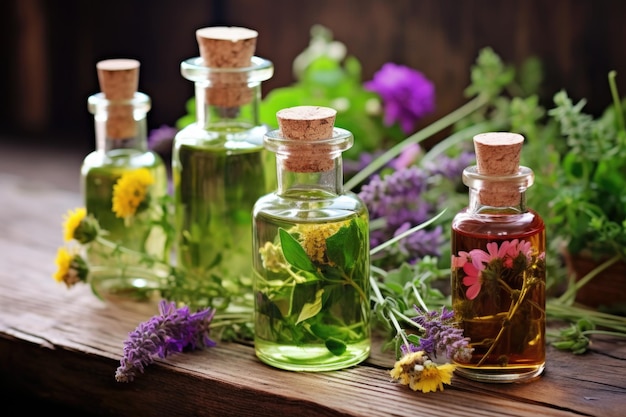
331 79
589 209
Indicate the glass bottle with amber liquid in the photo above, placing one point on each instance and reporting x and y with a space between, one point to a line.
220 167
310 251
498 266
132 215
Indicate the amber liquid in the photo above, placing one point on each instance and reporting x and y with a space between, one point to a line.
505 320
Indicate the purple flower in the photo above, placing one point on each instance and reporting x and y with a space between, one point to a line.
173 331
406 94
161 139
440 335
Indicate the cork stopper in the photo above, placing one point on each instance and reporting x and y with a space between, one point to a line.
308 125
227 47
498 154
119 80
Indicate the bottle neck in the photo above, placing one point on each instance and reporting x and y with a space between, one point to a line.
120 124
313 182
497 194
227 99
213 112
304 165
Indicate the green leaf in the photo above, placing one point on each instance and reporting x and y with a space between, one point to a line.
343 248
311 309
294 252
266 307
335 346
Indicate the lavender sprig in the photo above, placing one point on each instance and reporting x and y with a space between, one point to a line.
440 336
173 331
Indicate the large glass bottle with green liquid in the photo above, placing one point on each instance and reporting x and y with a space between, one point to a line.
122 159
311 251
219 165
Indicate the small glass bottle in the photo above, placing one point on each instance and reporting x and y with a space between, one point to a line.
219 165
311 251
122 154
498 266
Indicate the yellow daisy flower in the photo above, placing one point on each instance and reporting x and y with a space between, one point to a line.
73 218
417 371
433 377
130 191
71 268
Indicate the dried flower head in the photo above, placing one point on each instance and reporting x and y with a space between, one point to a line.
130 192
313 239
416 370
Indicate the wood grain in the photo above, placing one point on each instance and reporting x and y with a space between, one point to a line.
63 346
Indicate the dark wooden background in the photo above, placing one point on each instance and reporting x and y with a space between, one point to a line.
49 48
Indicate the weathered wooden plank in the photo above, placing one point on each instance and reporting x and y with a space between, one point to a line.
65 345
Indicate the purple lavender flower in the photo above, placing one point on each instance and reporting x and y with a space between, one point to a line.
398 198
173 331
440 335
406 94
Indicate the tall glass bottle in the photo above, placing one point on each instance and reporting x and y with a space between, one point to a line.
219 164
498 266
122 161
311 251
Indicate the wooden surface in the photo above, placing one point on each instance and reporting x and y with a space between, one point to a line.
62 347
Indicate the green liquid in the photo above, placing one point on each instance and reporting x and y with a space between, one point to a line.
216 183
319 321
111 273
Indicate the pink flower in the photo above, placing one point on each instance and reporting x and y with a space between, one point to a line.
459 261
472 280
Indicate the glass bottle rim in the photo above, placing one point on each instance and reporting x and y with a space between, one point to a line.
140 101
260 69
341 140
524 177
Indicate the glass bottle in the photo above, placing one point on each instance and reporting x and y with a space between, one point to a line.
121 156
498 266
311 251
219 165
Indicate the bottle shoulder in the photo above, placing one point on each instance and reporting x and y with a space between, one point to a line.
228 136
294 204
469 222
122 158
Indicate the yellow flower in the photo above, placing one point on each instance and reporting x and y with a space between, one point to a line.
433 377
313 239
72 222
417 371
71 268
130 191
80 226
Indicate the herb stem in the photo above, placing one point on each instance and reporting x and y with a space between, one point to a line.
446 121
569 295
619 114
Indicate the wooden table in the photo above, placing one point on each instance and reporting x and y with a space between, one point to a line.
62 346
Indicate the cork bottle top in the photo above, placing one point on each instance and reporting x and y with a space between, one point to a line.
310 127
226 46
498 153
498 156
118 78
306 122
